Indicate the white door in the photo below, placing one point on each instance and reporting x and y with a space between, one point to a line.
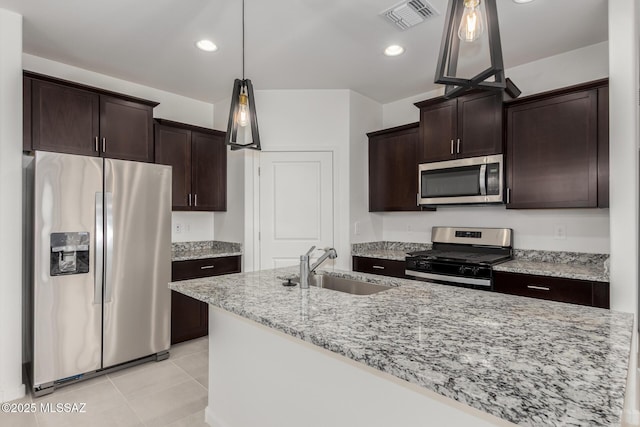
296 205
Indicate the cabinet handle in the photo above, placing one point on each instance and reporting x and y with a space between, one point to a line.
195 197
206 267
189 199
96 143
104 145
540 288
508 195
458 149
378 267
452 147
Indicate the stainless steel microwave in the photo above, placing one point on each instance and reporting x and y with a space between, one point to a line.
476 180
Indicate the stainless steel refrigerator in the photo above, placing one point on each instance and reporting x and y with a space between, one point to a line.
102 264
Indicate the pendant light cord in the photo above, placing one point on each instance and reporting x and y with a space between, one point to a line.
242 39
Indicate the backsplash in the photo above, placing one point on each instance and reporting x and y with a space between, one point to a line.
206 245
581 258
559 257
389 246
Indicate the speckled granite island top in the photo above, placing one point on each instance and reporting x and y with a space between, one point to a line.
531 362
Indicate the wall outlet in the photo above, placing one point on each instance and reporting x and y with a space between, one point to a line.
177 228
560 232
356 228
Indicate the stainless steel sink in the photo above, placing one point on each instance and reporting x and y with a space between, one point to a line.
350 286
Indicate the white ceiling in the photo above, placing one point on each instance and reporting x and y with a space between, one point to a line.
290 44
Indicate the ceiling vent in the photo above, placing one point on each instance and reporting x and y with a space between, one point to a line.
407 14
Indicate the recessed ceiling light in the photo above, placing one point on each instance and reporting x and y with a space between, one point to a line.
522 1
394 50
207 45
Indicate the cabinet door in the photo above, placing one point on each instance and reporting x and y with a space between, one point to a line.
603 147
209 172
64 120
26 114
438 128
553 288
393 171
189 318
127 129
173 147
479 125
383 267
552 149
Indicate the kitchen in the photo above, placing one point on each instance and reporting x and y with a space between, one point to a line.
347 116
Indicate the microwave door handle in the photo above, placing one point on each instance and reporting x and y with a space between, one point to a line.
483 180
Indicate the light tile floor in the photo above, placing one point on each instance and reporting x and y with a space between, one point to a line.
169 393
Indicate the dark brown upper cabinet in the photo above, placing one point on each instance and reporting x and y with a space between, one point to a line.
557 149
393 169
467 126
67 117
199 160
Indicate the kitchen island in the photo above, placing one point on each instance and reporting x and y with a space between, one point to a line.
417 354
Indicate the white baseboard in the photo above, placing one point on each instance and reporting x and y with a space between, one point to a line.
212 419
631 418
7 395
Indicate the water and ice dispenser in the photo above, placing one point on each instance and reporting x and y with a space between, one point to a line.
69 253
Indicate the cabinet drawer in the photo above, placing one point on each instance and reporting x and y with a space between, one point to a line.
553 288
193 269
383 267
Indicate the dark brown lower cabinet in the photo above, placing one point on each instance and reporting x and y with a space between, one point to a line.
383 267
190 317
595 294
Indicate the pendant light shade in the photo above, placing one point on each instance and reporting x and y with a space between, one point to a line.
242 130
470 52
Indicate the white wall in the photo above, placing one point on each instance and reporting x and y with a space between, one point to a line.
294 120
587 229
195 226
365 115
623 174
172 107
11 386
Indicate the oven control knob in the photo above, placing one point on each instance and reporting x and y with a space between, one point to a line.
475 270
463 269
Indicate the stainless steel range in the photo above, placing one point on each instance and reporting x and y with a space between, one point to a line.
462 256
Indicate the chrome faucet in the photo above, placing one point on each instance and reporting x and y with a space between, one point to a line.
305 270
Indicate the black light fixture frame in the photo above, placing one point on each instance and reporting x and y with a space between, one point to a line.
240 85
450 49
232 127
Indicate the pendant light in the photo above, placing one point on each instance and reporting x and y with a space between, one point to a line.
465 24
242 130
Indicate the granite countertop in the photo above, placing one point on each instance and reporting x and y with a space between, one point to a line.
554 269
396 251
570 265
184 251
531 362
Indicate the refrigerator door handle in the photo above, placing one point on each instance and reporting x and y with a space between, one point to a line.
98 256
108 289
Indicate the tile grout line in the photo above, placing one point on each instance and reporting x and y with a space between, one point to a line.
194 378
126 401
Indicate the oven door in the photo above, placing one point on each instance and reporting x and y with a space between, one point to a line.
475 180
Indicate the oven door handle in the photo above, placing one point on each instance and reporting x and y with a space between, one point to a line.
483 180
